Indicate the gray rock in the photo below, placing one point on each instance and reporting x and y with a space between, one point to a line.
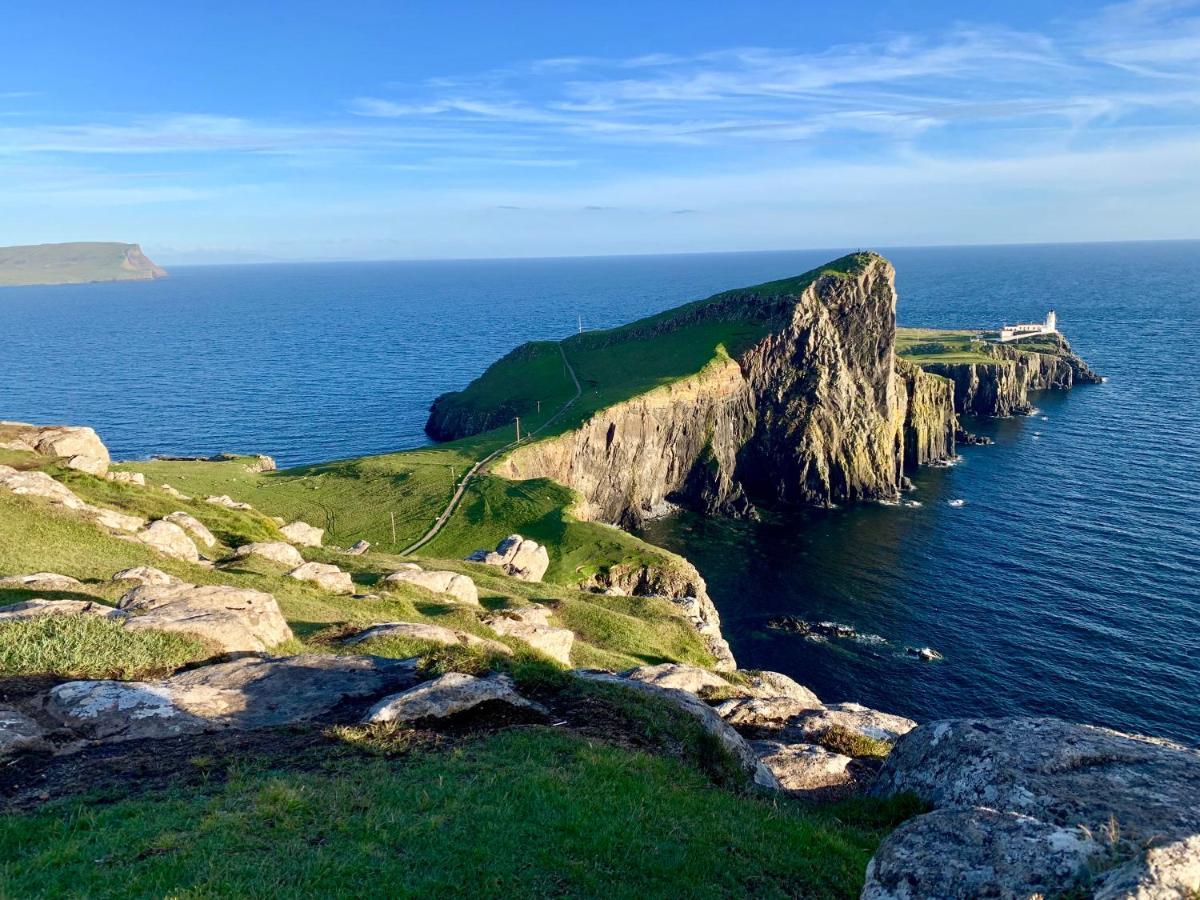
39 484
460 587
452 693
860 719
170 540
1134 798
682 677
531 625
303 534
328 577
38 608
237 620
977 853
775 684
80 447
358 548
42 581
117 521
274 551
227 501
262 463
734 743
802 767
193 527
146 575
516 556
174 492
434 634
19 733
761 712
243 694
127 478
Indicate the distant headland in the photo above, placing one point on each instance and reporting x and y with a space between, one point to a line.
76 263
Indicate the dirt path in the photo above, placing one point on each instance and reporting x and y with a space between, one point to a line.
478 467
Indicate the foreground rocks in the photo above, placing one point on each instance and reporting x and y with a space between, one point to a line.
78 447
237 620
328 577
272 551
531 624
447 695
39 484
170 540
516 556
803 767
196 529
1027 806
42 581
460 587
243 694
434 634
39 608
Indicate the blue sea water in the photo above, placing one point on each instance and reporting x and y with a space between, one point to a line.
1068 582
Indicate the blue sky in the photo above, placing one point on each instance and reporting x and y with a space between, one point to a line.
223 131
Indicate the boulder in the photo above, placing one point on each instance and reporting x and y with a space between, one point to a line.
980 853
42 581
358 548
37 608
692 679
772 713
110 518
531 624
303 534
146 575
261 463
244 694
193 527
730 740
775 684
460 587
516 556
434 634
328 577
39 484
803 767
1025 789
170 540
859 719
174 492
275 551
80 447
237 620
227 501
89 464
19 733
127 478
452 693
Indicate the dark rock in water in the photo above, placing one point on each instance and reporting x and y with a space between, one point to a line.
964 438
796 625
926 653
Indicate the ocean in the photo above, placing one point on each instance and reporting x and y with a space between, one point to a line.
1067 583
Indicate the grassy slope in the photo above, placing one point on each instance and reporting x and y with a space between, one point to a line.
938 345
522 813
67 264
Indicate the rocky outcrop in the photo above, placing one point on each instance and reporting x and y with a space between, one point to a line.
273 551
433 634
447 695
1002 388
39 484
303 534
930 422
531 624
170 540
38 608
245 694
237 620
78 447
325 576
193 526
460 587
146 575
803 767
42 581
1025 806
517 557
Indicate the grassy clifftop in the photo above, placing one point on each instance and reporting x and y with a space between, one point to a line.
76 263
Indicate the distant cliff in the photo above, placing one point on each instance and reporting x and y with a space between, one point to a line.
811 406
76 263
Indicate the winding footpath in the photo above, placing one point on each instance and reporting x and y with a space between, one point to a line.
475 469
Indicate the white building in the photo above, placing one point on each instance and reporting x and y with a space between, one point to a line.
1030 329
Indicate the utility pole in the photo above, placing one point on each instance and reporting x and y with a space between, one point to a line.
539 403
581 323
518 419
393 515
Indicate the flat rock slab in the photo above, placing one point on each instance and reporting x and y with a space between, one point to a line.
460 587
682 677
434 634
19 733
39 484
770 713
555 643
227 501
235 619
1021 786
452 693
243 694
803 767
860 719
37 608
146 575
42 581
329 578
275 551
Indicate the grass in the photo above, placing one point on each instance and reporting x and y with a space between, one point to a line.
87 647
929 345
524 812
840 739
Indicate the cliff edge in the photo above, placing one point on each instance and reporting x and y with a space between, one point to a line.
76 263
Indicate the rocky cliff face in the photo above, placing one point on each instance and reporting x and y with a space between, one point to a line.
1002 388
817 412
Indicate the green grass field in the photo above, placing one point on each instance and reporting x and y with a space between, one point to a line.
927 345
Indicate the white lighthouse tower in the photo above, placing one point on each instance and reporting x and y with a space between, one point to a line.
1051 322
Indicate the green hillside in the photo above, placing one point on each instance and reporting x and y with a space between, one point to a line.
76 263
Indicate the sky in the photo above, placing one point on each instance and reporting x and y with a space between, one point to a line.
254 131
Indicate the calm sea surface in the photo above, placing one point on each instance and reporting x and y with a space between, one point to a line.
1067 584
